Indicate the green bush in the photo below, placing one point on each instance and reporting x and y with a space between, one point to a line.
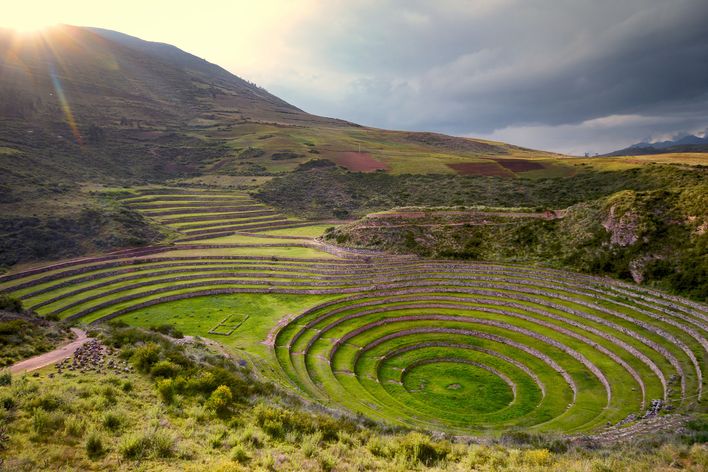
8 402
14 327
47 402
253 436
697 431
204 382
45 422
220 400
240 455
327 461
9 303
416 448
94 445
164 369
168 330
144 357
112 420
310 444
276 422
166 389
75 426
155 444
5 378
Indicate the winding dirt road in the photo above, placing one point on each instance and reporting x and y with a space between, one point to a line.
60 353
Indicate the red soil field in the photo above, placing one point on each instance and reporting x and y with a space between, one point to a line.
480 168
359 161
519 165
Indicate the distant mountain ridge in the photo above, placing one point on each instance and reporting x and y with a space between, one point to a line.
689 143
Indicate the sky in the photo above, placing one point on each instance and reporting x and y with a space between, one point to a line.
574 77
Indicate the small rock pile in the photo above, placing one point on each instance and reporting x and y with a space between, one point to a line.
654 408
93 357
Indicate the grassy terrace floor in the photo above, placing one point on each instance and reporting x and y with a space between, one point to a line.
442 345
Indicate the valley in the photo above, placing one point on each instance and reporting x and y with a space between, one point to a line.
267 289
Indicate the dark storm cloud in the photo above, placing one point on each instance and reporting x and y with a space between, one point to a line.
478 67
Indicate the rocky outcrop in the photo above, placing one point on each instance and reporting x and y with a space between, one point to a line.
623 228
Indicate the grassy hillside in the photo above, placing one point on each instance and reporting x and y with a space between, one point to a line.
656 237
159 405
325 192
23 334
68 222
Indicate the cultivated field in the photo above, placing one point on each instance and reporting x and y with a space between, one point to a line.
452 346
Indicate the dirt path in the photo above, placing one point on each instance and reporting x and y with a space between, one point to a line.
37 362
547 215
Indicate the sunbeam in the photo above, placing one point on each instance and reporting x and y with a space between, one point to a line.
64 103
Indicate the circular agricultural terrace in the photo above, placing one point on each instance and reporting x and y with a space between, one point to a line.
499 347
453 346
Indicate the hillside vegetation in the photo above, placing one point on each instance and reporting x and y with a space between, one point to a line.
327 192
659 237
23 334
144 401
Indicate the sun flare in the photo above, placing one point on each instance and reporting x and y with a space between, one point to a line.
26 23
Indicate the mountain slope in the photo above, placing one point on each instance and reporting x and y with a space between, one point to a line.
105 105
107 76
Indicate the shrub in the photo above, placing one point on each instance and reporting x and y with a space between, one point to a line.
240 455
310 443
166 389
74 426
15 327
44 422
327 461
538 441
109 394
537 457
416 448
198 413
253 436
168 330
203 383
220 400
5 378
156 444
8 402
278 421
10 303
144 357
378 447
486 458
112 421
94 445
165 369
134 447
162 444
47 402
